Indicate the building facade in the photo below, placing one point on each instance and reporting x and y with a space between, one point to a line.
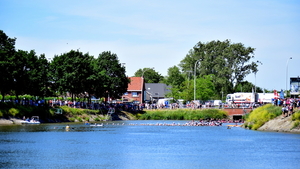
135 90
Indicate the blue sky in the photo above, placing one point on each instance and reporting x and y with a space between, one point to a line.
159 33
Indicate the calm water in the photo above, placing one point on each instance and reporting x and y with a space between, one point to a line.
138 146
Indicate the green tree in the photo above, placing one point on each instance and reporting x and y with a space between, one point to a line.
246 86
39 77
175 77
7 50
149 74
205 89
229 62
111 74
24 64
70 73
188 91
30 73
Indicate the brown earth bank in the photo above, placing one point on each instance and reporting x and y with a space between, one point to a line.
280 124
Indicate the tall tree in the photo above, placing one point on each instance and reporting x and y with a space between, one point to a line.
175 77
246 86
205 88
7 50
111 75
39 77
24 62
229 62
149 74
70 72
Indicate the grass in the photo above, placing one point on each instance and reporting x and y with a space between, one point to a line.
261 115
296 119
183 114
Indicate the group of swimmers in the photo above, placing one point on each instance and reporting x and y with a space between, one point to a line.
190 123
209 122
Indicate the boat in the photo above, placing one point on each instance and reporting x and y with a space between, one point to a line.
96 125
32 120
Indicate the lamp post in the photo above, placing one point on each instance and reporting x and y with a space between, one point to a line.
287 62
143 81
195 79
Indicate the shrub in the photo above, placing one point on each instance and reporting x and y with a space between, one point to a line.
296 116
261 115
86 118
296 119
13 112
296 124
72 119
79 119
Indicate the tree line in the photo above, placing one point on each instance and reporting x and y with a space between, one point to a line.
209 71
76 73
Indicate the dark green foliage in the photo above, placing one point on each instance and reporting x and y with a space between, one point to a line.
80 75
7 51
150 75
110 76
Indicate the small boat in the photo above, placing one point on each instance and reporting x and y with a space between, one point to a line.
96 125
33 120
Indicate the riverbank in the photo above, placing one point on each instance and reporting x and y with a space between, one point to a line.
280 124
6 122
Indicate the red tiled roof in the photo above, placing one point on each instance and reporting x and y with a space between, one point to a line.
136 84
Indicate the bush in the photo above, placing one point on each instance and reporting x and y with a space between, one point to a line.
72 119
296 116
261 115
79 119
296 119
13 112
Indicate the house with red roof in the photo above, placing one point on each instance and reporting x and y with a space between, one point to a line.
135 90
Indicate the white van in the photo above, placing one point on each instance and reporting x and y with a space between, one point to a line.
217 102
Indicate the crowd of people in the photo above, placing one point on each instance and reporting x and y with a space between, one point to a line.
288 105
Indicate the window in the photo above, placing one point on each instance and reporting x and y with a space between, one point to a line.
126 93
134 94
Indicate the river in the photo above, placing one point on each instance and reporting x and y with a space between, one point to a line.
131 145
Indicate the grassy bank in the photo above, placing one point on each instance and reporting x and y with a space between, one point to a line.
47 114
261 115
183 114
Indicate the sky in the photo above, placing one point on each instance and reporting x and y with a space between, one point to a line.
159 33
